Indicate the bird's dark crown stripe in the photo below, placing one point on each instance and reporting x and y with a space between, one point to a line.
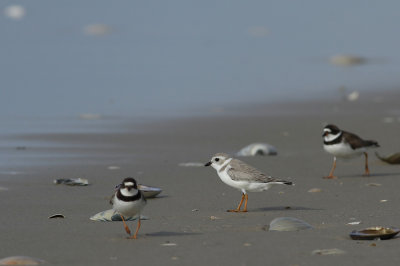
129 198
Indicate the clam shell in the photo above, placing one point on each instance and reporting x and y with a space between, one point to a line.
72 181
149 192
288 224
391 159
112 216
257 149
372 233
21 260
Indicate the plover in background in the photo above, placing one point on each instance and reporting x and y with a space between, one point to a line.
128 201
242 176
342 144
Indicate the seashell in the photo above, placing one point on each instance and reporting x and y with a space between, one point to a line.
372 233
354 223
58 215
191 164
330 251
113 167
72 182
288 224
15 12
314 190
391 159
112 216
149 192
347 60
21 260
257 149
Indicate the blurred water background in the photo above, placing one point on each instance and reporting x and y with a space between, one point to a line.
66 62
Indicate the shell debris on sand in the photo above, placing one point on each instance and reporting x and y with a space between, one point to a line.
347 60
191 164
314 190
21 260
72 181
288 224
58 215
331 251
257 149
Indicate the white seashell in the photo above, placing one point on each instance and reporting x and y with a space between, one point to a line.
288 224
21 260
112 167
257 149
354 223
331 251
112 216
191 164
353 96
15 12
149 192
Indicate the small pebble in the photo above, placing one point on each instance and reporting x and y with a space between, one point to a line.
314 190
332 251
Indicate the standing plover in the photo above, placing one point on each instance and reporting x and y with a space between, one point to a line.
128 201
242 176
342 144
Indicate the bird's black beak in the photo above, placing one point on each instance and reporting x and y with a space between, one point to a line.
208 164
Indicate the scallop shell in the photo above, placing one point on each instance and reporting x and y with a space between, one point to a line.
112 216
288 224
21 260
257 149
391 159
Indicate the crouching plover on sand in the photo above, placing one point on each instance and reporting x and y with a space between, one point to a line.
242 176
342 144
128 201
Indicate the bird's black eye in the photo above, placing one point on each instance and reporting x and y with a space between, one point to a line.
216 159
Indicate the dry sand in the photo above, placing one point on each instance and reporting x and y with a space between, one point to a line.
188 223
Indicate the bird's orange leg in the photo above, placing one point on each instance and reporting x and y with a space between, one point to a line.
137 230
125 226
331 176
245 203
366 165
239 206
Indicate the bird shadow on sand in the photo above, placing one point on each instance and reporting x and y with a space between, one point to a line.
284 208
169 234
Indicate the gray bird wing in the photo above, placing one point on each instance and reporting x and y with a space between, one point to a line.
356 142
241 171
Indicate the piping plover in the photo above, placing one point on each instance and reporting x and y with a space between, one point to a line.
344 144
128 201
242 176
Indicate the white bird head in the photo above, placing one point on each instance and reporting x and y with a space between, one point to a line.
218 160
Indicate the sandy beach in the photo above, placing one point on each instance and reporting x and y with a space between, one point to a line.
188 223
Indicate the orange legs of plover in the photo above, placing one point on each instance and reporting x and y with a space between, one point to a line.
245 198
366 165
331 176
129 231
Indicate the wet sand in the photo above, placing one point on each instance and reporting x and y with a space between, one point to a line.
188 223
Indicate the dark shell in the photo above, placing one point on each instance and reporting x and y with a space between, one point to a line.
372 233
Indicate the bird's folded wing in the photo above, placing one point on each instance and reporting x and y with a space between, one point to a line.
241 171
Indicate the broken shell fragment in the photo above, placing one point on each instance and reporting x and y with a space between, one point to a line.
288 224
58 215
149 192
391 159
258 149
372 233
330 251
21 260
112 216
72 182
